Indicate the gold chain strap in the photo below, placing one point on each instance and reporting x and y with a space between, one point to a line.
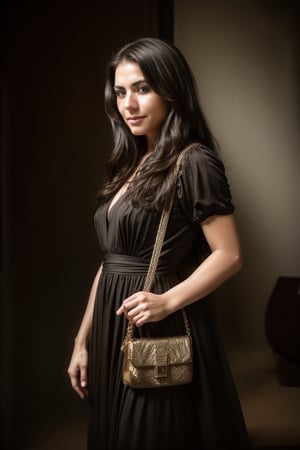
158 245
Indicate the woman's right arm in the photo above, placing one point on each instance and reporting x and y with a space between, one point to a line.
77 369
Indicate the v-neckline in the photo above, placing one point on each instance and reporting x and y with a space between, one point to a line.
113 202
111 205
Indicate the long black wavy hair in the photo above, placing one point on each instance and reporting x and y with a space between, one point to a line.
169 75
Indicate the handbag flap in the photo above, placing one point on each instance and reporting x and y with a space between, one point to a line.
160 351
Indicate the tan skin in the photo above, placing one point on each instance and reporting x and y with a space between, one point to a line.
144 112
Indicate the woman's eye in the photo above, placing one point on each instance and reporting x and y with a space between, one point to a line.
119 93
143 89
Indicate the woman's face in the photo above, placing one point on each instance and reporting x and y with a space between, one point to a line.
142 109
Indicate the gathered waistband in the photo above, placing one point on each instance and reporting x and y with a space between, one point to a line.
134 265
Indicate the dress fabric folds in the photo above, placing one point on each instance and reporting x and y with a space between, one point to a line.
205 414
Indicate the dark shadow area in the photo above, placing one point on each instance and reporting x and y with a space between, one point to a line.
54 141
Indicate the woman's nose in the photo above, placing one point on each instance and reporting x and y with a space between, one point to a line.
130 101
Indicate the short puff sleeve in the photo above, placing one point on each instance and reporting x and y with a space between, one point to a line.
203 189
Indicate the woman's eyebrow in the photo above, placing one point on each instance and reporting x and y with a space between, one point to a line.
136 83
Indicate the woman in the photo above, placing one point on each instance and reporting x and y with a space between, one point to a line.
151 101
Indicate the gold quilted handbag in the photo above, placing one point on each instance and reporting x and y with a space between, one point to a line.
158 361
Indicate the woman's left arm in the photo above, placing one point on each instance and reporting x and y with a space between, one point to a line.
224 261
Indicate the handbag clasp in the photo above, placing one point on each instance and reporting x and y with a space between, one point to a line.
162 359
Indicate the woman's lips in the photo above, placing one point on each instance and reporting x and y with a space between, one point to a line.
135 119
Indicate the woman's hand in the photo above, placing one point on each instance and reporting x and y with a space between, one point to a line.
143 307
77 370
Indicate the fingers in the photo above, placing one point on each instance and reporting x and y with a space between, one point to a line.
81 392
139 320
78 378
142 307
120 310
83 377
136 308
128 304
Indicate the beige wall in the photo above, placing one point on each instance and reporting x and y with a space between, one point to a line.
244 58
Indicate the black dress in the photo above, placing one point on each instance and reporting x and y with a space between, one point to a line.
206 413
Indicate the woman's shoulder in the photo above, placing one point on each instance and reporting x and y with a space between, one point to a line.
198 154
203 188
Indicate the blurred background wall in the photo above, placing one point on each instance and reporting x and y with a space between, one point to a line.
245 56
